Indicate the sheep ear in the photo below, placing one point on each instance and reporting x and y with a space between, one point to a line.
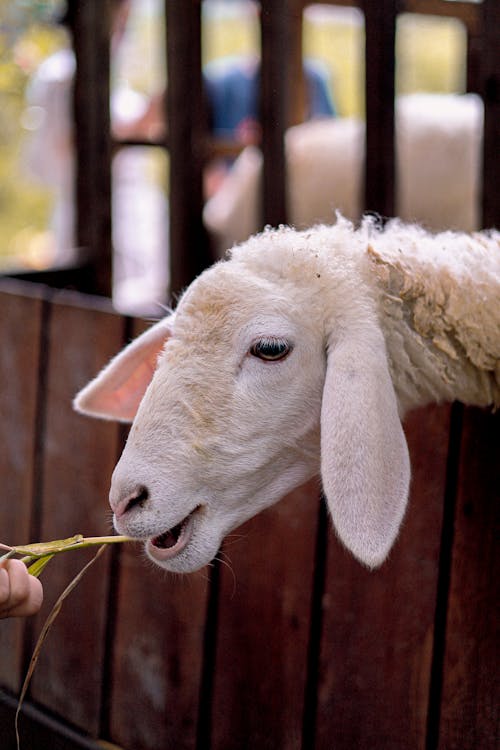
118 389
364 456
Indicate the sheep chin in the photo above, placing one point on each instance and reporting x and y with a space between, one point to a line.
189 551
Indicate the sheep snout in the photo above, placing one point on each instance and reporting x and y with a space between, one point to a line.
122 505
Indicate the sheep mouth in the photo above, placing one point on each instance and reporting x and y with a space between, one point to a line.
170 543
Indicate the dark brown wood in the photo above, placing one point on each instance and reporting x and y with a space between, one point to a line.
37 730
91 32
157 652
157 655
78 456
287 642
471 684
467 12
377 637
186 117
20 337
297 104
78 277
380 31
263 627
275 87
490 72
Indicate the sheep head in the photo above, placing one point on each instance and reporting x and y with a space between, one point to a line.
272 370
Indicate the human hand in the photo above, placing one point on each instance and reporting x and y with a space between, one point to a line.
20 593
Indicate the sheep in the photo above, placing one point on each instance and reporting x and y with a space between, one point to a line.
438 154
298 357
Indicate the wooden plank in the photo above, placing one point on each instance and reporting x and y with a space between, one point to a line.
263 627
157 656
78 457
91 34
490 89
189 250
157 652
275 90
20 335
37 730
471 684
376 648
380 34
298 100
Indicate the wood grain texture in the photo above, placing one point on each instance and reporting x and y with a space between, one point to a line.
187 130
263 626
380 35
489 87
91 24
274 106
38 730
157 650
78 456
157 656
378 626
20 332
471 684
142 636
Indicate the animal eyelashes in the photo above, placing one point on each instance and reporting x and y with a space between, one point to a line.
338 332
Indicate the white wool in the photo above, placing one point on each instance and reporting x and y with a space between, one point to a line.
438 151
438 167
366 324
325 160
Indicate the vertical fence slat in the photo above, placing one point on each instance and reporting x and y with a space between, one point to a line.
158 656
186 117
298 99
378 626
157 653
274 106
471 684
490 69
79 455
20 329
91 24
380 29
263 627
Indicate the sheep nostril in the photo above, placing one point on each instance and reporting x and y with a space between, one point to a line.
139 499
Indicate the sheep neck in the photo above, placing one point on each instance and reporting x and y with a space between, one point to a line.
441 332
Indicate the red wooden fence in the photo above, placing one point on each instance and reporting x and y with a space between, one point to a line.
289 643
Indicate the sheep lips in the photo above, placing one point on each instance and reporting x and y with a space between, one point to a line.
171 542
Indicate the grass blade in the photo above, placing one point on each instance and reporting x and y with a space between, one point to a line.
7 556
45 630
41 549
46 548
35 568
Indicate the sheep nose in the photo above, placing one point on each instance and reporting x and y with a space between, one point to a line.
123 504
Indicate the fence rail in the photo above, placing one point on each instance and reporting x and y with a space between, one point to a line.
286 642
289 642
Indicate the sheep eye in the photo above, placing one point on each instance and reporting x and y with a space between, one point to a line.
270 349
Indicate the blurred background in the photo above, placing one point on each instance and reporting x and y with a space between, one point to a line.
36 214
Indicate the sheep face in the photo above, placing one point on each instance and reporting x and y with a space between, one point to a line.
268 373
229 422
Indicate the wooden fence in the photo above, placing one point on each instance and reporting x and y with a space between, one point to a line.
286 642
190 144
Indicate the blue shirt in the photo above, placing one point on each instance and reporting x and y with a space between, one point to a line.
232 87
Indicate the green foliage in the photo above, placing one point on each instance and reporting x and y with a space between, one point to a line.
430 57
24 43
